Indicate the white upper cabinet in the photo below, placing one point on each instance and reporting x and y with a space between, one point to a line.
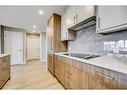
76 14
111 18
73 16
63 28
70 16
65 34
84 12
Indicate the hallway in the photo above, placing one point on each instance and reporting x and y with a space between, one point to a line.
32 75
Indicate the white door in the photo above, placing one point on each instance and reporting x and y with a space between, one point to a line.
14 46
33 46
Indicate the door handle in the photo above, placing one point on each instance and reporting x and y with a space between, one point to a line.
20 50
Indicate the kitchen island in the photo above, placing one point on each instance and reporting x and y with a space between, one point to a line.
4 69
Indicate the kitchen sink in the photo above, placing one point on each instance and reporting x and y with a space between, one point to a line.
83 56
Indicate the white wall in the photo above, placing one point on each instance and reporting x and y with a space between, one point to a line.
43 46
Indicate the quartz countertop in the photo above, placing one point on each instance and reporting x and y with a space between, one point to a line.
3 55
108 62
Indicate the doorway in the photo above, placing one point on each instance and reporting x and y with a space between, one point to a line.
32 46
13 45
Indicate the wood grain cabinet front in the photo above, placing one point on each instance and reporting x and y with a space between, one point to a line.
50 64
79 75
4 70
69 76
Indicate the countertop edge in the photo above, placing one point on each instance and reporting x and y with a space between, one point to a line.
88 62
4 55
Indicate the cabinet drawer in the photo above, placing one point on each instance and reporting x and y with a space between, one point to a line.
67 60
110 79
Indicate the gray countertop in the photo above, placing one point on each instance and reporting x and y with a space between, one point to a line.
108 62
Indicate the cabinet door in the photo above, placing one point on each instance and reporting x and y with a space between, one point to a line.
84 12
64 35
111 18
71 12
50 64
56 66
50 34
69 76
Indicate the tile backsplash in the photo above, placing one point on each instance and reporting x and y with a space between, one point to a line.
88 41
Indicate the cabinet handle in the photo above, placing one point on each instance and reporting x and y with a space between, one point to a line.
51 43
99 23
66 34
68 72
105 76
76 18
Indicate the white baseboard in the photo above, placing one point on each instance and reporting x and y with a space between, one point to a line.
24 62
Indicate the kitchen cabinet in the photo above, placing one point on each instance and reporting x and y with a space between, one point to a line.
73 16
70 16
69 74
50 63
65 34
80 75
4 70
54 39
111 18
76 14
59 69
84 12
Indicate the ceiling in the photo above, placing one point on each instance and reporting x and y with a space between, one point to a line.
26 16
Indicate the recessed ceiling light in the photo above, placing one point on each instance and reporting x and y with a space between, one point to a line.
40 12
34 26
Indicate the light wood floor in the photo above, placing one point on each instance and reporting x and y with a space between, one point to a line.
32 75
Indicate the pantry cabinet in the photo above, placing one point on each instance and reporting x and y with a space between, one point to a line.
80 75
111 18
54 43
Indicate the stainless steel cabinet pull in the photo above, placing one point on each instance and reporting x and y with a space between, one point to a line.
99 23
105 76
76 18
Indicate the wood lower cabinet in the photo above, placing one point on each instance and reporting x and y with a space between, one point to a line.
59 68
69 75
78 75
50 63
4 70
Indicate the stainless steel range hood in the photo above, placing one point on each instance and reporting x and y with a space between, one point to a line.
86 23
